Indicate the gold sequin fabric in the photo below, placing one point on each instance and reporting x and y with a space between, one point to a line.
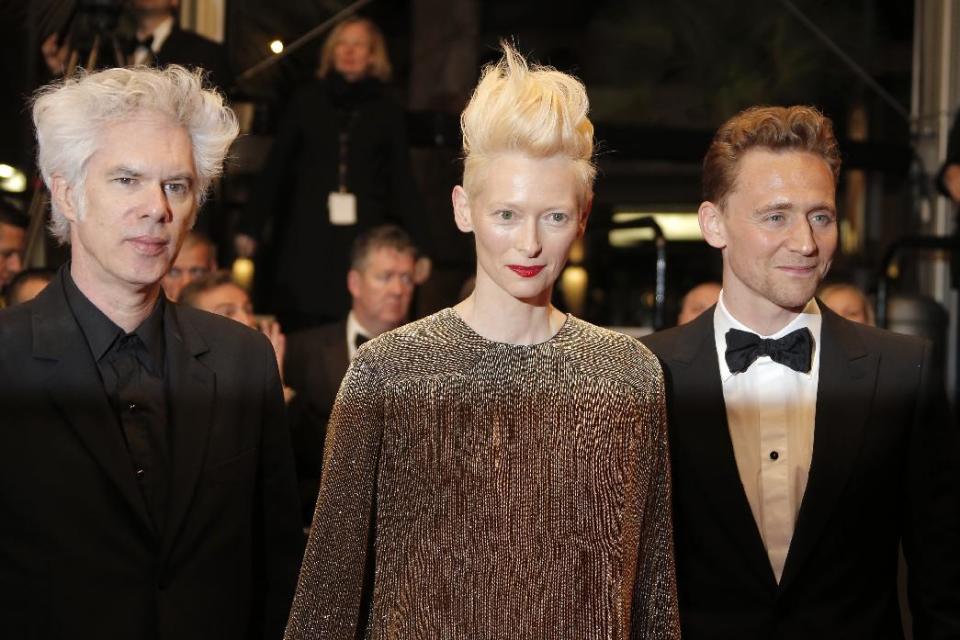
478 490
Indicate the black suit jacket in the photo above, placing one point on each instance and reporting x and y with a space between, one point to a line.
315 363
189 49
79 555
878 475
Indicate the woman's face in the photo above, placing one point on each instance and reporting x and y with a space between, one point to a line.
524 219
353 52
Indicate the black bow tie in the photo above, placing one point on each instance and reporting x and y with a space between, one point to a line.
793 350
359 339
134 43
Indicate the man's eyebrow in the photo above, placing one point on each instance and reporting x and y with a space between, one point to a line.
188 177
777 205
126 171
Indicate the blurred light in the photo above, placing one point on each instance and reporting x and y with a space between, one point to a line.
675 225
573 282
242 272
276 46
12 179
576 251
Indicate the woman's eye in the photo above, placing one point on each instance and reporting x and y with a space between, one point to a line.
558 216
505 215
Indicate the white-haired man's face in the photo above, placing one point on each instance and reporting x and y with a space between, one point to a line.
139 200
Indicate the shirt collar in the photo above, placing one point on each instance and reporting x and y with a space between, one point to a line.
161 33
101 332
723 321
354 328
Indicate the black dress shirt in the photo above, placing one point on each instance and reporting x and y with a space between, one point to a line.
132 369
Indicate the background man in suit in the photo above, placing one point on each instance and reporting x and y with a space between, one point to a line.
13 230
381 284
155 38
197 258
146 478
802 458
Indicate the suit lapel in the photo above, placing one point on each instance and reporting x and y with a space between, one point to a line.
77 391
191 395
336 358
844 393
699 426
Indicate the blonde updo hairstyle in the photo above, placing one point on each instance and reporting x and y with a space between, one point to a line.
529 109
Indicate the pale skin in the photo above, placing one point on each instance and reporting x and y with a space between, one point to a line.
527 214
140 197
777 232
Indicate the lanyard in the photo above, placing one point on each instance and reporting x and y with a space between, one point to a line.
345 149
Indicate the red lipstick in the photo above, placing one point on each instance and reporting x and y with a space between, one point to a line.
525 272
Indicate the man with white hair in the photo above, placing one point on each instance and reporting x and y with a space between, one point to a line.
146 479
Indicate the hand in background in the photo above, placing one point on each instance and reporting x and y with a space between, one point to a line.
951 180
55 55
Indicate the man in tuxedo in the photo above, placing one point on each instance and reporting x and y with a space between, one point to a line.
147 485
381 284
157 40
805 448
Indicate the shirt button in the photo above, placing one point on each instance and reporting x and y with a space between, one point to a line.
139 473
774 455
132 406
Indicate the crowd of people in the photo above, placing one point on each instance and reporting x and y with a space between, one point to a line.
173 465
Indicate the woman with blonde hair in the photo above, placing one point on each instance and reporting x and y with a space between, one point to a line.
339 165
500 469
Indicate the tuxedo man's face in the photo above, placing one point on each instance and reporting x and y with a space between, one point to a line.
777 232
131 213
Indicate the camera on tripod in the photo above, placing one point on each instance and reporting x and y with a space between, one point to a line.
98 31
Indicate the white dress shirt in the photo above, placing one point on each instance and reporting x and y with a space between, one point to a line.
142 55
354 328
771 413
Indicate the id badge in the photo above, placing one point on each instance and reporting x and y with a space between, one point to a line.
342 208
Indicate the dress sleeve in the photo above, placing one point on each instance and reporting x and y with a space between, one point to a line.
655 611
335 578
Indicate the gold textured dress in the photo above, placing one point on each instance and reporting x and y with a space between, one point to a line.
478 490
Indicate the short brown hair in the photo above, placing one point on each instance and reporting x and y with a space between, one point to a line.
385 236
797 128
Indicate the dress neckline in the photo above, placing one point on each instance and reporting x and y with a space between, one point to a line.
471 334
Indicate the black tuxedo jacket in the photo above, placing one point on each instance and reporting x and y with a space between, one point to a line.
879 475
79 554
315 363
189 49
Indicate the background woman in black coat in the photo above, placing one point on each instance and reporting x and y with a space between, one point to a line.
339 165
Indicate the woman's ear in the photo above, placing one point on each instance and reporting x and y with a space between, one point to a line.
584 216
461 209
711 225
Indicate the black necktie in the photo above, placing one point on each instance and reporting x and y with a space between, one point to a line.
793 350
359 339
